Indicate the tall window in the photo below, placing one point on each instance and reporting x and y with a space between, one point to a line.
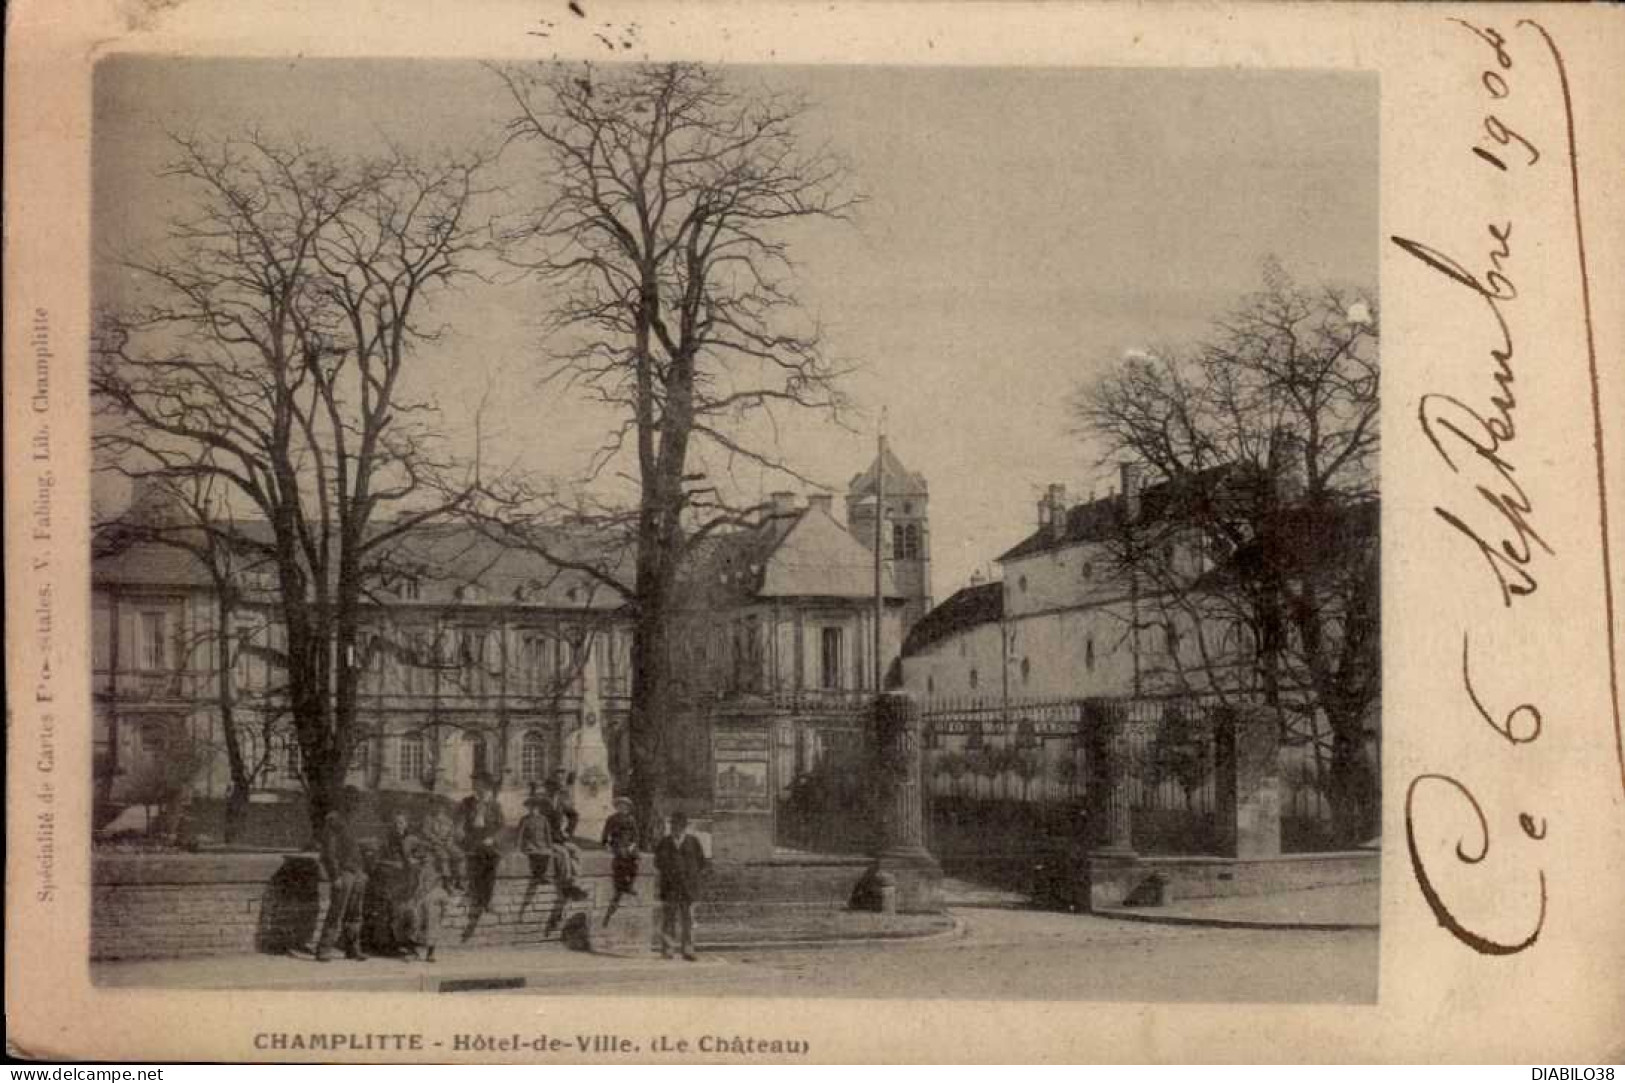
409 764
154 641
479 755
609 654
290 759
533 758
830 659
905 540
531 674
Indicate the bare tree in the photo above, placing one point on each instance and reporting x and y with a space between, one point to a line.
663 232
1258 562
266 354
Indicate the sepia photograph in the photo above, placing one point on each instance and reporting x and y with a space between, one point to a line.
844 531
710 529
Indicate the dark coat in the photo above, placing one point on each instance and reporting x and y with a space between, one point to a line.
341 850
535 833
562 817
681 867
621 833
478 833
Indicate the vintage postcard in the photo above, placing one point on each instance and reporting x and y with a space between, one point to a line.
609 531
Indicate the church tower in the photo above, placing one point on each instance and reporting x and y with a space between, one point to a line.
906 534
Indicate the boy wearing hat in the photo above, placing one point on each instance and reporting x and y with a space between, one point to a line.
536 836
621 839
680 861
482 828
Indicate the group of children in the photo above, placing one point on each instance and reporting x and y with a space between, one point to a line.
415 870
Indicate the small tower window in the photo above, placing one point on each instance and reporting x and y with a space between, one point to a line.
1026 670
973 677
1089 653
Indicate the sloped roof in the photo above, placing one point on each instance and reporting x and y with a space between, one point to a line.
804 554
818 557
447 560
1096 520
966 608
900 480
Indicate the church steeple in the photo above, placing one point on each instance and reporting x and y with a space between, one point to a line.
906 534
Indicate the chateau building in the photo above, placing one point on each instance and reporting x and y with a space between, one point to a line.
478 657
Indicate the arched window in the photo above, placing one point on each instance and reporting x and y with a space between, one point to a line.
899 542
533 758
479 756
409 764
1089 653
1026 670
973 678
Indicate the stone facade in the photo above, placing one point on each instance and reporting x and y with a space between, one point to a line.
477 657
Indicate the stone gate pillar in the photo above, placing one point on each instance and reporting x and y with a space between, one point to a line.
1109 780
1247 773
899 807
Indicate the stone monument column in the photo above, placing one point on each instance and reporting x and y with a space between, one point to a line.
1247 771
899 799
901 858
587 756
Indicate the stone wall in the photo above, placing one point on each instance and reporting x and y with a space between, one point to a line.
147 906
1111 882
736 891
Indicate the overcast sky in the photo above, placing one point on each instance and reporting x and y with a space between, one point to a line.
1023 228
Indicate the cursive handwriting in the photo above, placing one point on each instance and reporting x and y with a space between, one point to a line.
1475 442
1450 424
1480 849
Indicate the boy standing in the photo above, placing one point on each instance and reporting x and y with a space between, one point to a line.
621 839
680 862
482 830
346 870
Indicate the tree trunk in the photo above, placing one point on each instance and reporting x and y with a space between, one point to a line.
648 714
236 811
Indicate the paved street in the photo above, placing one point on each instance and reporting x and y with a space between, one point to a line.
991 947
1008 953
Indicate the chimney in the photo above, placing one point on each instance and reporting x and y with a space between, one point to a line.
1057 511
784 503
1130 476
823 502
